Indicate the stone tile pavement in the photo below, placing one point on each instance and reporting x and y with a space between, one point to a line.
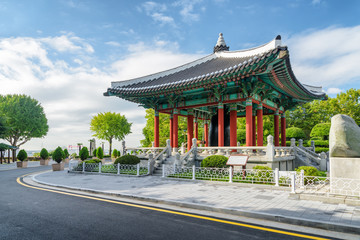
259 199
10 166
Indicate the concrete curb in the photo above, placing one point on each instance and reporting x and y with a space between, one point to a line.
250 214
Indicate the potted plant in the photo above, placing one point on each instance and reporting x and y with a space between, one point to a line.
58 156
66 155
44 154
22 157
100 154
84 153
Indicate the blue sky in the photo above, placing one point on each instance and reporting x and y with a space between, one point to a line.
66 53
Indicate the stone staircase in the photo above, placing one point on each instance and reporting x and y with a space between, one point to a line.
168 161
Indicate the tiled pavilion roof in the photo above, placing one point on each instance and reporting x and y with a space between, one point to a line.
269 63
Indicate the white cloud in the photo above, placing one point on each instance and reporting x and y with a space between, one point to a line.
71 89
330 91
327 57
113 43
187 10
157 12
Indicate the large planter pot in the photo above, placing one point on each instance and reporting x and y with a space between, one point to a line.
22 164
58 166
44 162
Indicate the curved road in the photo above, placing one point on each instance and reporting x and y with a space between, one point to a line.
27 213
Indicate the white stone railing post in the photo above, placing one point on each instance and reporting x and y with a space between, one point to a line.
168 147
323 162
193 172
301 145
138 169
231 174
99 167
302 178
182 150
151 163
163 170
118 168
276 175
194 148
292 142
292 177
313 145
83 165
270 148
149 167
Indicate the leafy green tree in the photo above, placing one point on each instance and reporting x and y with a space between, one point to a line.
58 155
3 127
321 130
22 155
99 153
44 154
84 153
25 119
108 126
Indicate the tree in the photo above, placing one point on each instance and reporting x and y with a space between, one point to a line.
295 132
66 153
3 127
321 130
22 155
99 153
84 153
108 126
25 119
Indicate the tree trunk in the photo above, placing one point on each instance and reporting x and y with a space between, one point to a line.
110 146
14 155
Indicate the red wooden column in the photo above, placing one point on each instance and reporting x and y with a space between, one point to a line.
233 125
171 131
249 122
254 129
276 128
260 131
221 125
156 129
196 135
175 128
283 130
190 129
206 133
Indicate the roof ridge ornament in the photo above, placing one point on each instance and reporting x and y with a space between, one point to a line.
220 44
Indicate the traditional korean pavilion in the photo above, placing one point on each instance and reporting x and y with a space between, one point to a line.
218 89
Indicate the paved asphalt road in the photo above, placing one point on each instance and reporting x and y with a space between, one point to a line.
27 213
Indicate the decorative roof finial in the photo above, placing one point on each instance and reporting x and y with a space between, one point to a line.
220 45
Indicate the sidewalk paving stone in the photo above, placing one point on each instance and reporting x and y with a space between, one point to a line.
230 196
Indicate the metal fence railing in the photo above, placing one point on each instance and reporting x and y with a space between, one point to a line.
118 169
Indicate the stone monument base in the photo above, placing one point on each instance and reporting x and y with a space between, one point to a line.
345 167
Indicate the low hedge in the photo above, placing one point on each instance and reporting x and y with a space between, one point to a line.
127 159
93 161
217 161
320 143
321 149
260 167
310 171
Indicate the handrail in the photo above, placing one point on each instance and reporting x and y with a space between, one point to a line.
187 155
145 148
226 148
316 159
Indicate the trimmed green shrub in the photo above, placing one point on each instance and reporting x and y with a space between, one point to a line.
99 153
321 149
106 156
115 153
66 153
94 152
84 153
127 159
316 138
217 161
260 167
321 130
310 171
295 132
320 143
93 161
58 155
22 155
44 154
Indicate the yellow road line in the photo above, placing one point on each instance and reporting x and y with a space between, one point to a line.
172 212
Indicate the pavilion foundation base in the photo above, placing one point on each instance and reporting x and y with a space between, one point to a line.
282 165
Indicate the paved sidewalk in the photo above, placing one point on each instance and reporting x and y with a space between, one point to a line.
6 166
258 201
